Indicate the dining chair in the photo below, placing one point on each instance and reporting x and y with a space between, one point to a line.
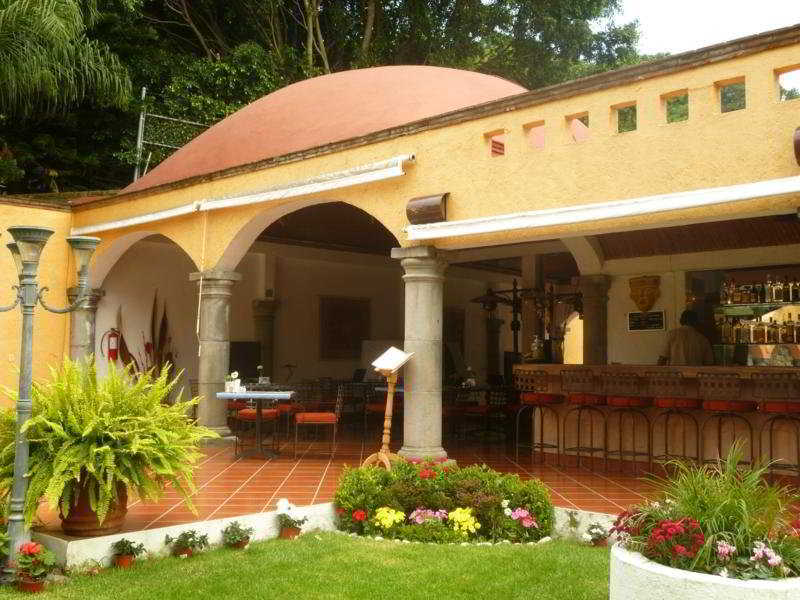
318 418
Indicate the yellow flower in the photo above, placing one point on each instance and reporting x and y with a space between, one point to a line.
386 517
463 521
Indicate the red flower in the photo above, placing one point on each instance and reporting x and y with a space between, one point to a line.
359 515
30 548
427 474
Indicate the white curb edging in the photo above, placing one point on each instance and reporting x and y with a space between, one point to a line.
79 552
634 577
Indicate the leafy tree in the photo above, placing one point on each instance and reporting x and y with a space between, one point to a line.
201 60
46 61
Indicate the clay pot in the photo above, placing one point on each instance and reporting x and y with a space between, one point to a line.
31 586
124 561
289 533
601 543
184 553
82 520
241 544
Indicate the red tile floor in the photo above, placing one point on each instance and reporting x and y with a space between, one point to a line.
227 486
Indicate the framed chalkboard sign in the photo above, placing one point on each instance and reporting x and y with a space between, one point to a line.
646 321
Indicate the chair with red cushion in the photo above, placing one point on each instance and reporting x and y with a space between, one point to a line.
320 418
533 389
670 393
584 397
778 397
244 427
627 403
721 396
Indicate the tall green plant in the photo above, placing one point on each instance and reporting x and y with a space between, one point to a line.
46 61
103 432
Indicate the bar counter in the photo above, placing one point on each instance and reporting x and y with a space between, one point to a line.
547 377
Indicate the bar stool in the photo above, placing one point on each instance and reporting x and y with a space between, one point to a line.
533 389
623 396
779 397
669 392
582 396
719 393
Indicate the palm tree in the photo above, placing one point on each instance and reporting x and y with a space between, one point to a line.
47 63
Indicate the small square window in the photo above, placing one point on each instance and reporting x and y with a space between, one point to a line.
534 132
676 106
626 118
578 126
732 96
789 84
496 141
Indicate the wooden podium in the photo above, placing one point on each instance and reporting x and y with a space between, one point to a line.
388 364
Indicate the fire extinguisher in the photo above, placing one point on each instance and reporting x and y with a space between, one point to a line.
111 338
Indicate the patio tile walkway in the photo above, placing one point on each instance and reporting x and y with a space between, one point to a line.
227 486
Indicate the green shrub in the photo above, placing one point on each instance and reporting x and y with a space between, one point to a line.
102 433
493 497
718 518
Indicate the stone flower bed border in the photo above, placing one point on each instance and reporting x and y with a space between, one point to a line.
79 552
634 577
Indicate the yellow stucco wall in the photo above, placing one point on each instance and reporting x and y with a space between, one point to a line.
710 149
51 340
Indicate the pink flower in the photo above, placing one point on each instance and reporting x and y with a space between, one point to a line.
30 548
527 522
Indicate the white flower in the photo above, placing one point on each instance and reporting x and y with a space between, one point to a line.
586 538
235 375
723 572
507 512
504 504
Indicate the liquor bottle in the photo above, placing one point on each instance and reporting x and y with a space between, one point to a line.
768 289
737 293
759 292
777 290
791 330
727 332
772 332
759 332
787 291
723 292
737 332
796 290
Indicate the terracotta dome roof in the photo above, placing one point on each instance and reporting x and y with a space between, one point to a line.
326 109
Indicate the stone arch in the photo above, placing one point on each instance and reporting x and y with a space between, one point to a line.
587 252
104 261
247 234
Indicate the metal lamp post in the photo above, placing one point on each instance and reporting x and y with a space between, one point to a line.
26 251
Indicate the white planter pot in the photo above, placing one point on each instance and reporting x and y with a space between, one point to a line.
634 577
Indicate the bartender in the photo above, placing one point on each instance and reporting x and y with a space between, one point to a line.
686 345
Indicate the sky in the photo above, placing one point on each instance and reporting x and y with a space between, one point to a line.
679 25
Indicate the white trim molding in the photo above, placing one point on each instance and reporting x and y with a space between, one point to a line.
385 169
605 210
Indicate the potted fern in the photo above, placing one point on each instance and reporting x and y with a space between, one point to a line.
92 440
125 552
290 520
187 543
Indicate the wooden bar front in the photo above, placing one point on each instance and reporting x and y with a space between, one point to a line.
689 373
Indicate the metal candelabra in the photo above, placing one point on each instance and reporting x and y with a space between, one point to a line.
26 250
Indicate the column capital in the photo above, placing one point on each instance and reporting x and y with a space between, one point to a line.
214 275
91 300
421 263
594 285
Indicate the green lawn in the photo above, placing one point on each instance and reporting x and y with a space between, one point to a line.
327 566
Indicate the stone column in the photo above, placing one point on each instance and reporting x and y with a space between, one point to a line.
215 345
422 377
264 319
493 367
594 289
82 323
